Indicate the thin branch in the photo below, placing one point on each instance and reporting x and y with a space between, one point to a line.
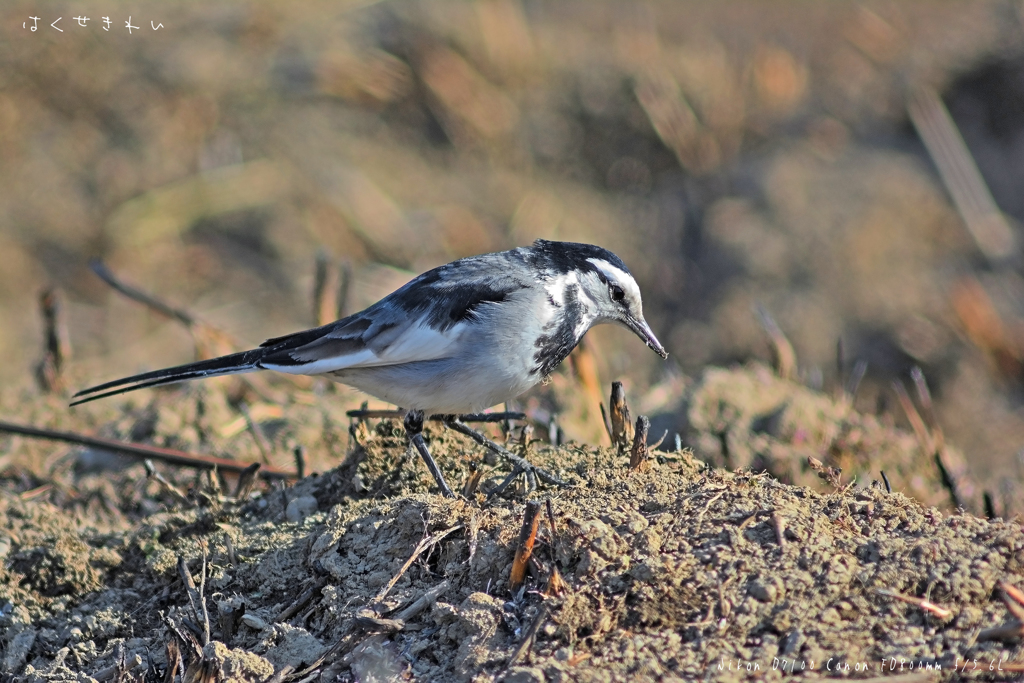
325 289
524 548
208 339
196 597
246 480
927 606
139 296
262 442
638 454
422 602
924 436
425 543
785 356
302 600
949 481
56 347
143 451
986 223
621 425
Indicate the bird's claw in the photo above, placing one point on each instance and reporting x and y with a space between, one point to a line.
520 465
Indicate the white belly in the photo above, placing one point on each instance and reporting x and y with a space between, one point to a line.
438 386
494 363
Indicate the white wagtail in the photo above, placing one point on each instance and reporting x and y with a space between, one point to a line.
457 339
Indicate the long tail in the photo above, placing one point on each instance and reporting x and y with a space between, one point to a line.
236 363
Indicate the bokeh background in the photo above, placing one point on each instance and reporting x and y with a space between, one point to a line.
734 154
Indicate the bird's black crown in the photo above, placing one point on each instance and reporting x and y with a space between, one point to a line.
562 257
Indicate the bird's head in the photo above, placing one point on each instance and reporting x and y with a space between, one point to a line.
607 286
617 300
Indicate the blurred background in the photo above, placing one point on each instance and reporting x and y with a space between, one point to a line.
854 168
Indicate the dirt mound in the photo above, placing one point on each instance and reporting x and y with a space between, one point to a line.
749 418
676 572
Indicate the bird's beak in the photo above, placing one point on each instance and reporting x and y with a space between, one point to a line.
643 330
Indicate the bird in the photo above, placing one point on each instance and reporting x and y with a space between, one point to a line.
457 339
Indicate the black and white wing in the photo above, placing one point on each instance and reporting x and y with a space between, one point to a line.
424 320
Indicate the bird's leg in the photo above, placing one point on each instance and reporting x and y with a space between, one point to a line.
519 463
414 428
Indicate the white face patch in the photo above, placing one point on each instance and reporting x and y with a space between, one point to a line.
620 277
556 288
557 285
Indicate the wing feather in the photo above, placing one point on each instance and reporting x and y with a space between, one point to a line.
424 320
390 345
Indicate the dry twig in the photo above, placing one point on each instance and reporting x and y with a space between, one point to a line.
638 454
246 481
948 481
327 290
779 527
784 357
1013 598
607 422
927 606
423 602
860 368
1012 630
196 597
986 223
143 451
262 442
1016 594
300 461
120 670
984 325
924 397
700 515
674 121
229 612
469 489
584 369
164 484
56 347
424 543
556 584
621 427
524 548
302 600
208 339
172 654
229 545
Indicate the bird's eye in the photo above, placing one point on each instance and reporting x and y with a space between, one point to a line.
618 294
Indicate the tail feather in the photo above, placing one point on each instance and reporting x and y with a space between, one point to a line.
247 361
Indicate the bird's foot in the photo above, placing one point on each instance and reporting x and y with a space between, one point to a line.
414 428
519 464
